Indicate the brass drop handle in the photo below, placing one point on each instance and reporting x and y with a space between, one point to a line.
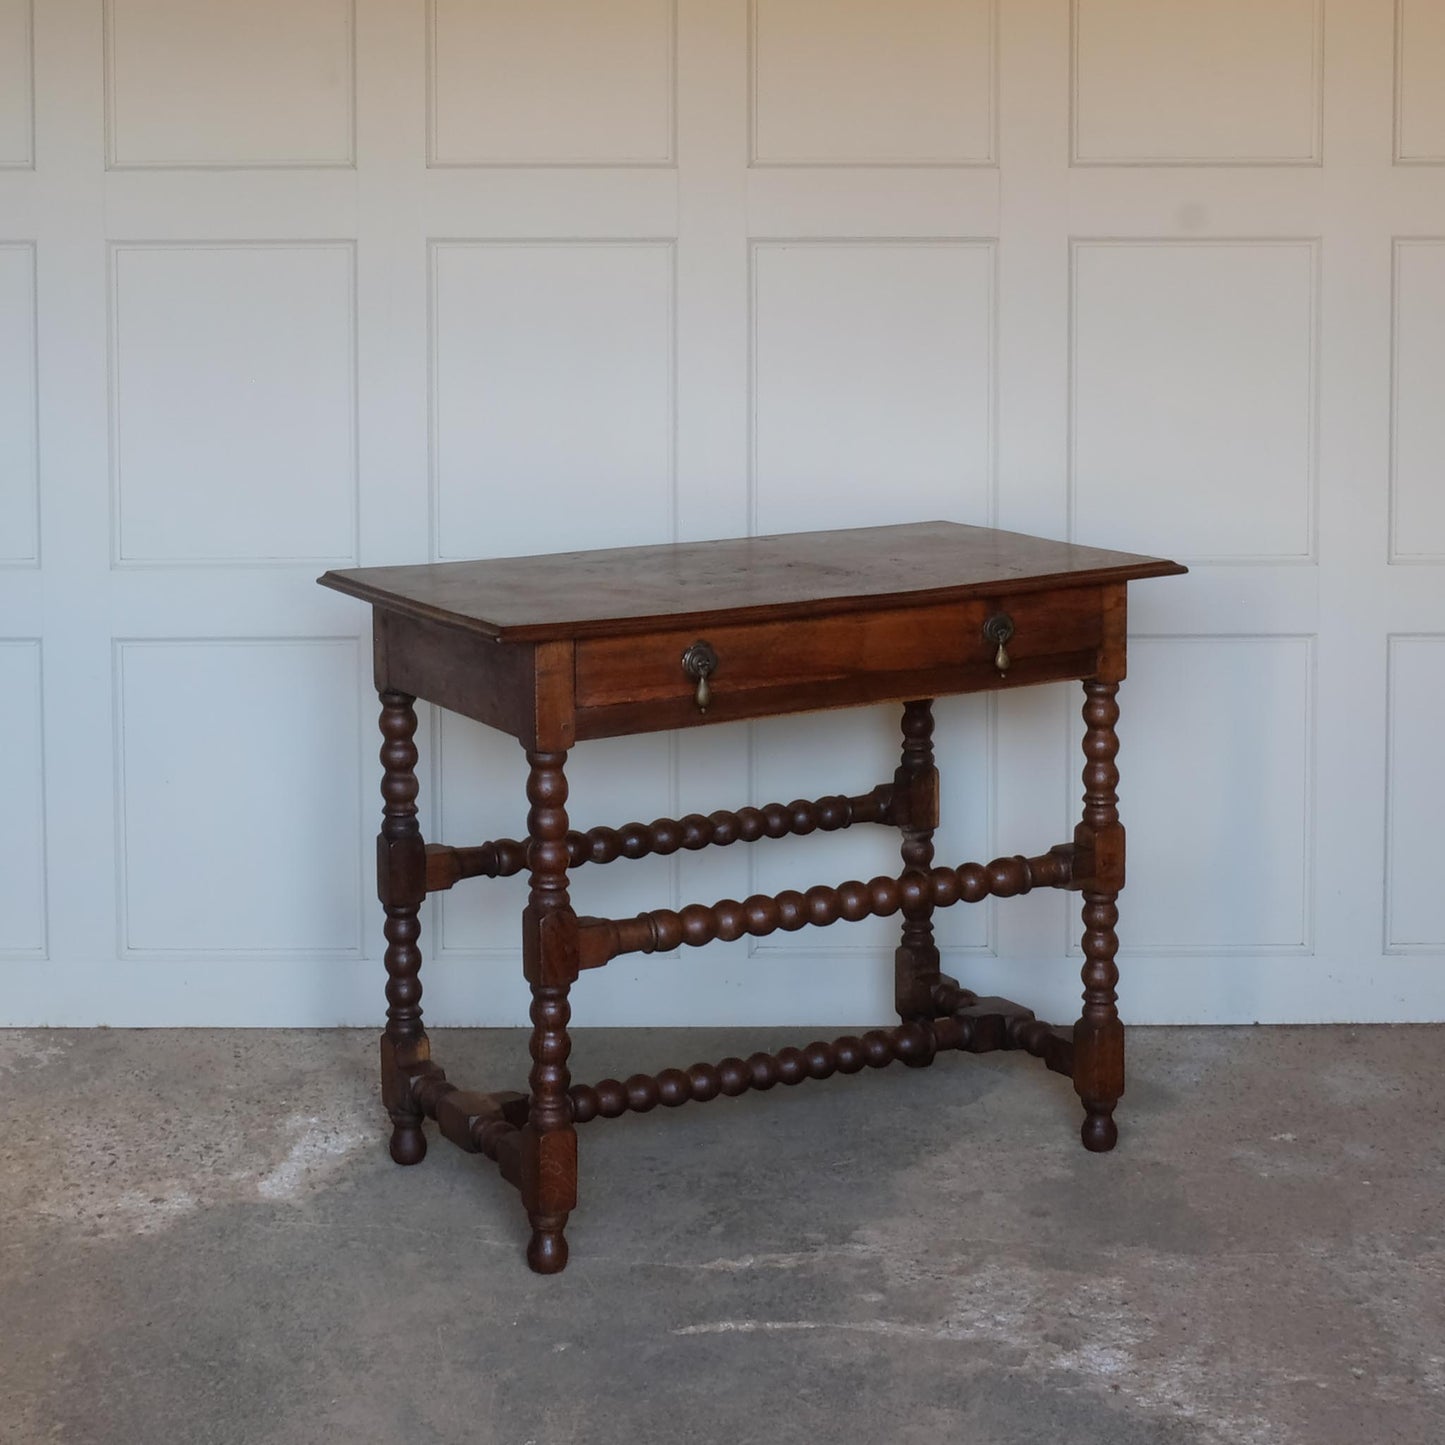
999 628
700 662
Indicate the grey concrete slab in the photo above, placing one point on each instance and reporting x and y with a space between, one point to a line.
205 1242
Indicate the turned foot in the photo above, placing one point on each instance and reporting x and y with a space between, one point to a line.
547 1250
408 1143
1099 1131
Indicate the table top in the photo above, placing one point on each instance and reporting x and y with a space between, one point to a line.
625 590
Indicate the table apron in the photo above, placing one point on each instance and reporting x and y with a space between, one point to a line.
741 702
555 693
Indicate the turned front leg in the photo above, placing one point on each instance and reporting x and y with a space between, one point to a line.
549 942
1099 1035
401 886
915 805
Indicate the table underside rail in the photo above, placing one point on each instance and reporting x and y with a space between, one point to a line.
491 1124
532 1138
502 858
663 929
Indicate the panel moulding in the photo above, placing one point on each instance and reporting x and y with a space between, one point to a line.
120 561
437 245
1392 944
665 160
988 243
1315 157
1309 555
26 155
1400 156
301 952
41 950
345 161
1397 555
31 559
1164 948
987 160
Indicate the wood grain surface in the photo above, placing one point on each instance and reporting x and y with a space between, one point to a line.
743 579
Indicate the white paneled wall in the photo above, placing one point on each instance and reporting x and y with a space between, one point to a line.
872 365
269 83
1152 320
233 403
570 83
22 881
329 282
579 403
816 68
1420 83
1418 520
20 474
1179 83
1247 793
17 138
185 710
1414 922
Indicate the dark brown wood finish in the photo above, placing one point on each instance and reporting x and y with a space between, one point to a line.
760 656
549 960
1099 1035
446 867
662 929
401 886
788 577
581 645
915 964
967 1023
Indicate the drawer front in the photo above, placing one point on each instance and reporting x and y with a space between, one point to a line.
828 661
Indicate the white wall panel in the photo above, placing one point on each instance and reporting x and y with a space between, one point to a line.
1216 792
238 796
17 96
481 794
334 282
1194 398
872 383
1177 82
1418 513
19 460
22 872
234 402
847 82
850 753
552 395
1415 902
568 82
207 83
1420 82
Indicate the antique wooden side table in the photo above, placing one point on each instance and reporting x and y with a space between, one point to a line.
559 649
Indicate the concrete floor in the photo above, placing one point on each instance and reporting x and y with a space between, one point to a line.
205 1242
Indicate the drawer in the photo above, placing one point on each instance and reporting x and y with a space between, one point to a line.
817 656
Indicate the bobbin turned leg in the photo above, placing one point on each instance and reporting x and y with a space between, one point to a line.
1099 1035
401 886
549 954
915 805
